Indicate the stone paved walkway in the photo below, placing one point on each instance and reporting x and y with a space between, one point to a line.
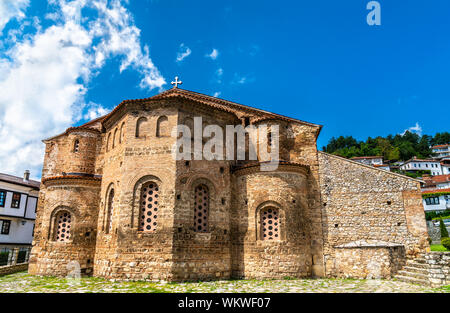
22 282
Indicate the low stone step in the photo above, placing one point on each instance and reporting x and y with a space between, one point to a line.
415 269
412 280
414 263
413 274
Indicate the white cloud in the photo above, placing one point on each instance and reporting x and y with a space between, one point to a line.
242 79
183 53
44 77
414 129
216 94
219 74
213 55
94 110
10 9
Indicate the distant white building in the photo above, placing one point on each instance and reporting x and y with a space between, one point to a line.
445 165
376 161
441 151
414 165
18 202
436 200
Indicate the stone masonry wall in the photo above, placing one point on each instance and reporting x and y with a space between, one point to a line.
126 252
75 193
369 262
360 202
49 257
287 191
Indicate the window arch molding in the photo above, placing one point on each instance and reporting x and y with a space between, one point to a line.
141 125
115 139
280 219
108 142
107 210
162 127
121 133
138 187
54 223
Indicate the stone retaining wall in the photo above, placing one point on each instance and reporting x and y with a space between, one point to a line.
439 268
369 261
11 269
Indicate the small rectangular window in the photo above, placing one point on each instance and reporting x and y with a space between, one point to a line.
432 200
6 225
15 203
2 198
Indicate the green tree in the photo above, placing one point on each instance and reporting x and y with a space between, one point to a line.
441 139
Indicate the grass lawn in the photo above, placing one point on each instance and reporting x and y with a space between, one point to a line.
438 248
22 282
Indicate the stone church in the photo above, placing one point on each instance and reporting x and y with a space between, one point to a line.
115 201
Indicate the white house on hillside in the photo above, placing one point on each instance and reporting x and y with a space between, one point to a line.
441 151
414 164
376 161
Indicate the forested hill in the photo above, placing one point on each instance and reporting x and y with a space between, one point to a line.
393 148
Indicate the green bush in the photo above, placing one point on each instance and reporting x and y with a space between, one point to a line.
444 232
446 243
4 258
443 217
436 215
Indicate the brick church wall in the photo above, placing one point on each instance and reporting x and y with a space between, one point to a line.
321 201
77 195
126 252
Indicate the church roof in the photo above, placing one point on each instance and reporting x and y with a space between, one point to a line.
211 101
217 103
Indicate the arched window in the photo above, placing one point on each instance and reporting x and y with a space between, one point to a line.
162 127
148 212
63 224
76 146
114 143
270 224
109 212
201 208
108 142
121 133
140 127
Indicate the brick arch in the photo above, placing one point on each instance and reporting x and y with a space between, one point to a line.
108 142
110 198
201 208
138 186
162 127
141 124
115 139
54 216
193 180
262 212
121 133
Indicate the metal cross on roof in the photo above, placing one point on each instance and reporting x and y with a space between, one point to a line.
176 82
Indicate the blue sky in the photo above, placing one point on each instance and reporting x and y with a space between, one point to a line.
317 61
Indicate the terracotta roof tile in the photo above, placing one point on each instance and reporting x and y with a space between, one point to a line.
436 190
